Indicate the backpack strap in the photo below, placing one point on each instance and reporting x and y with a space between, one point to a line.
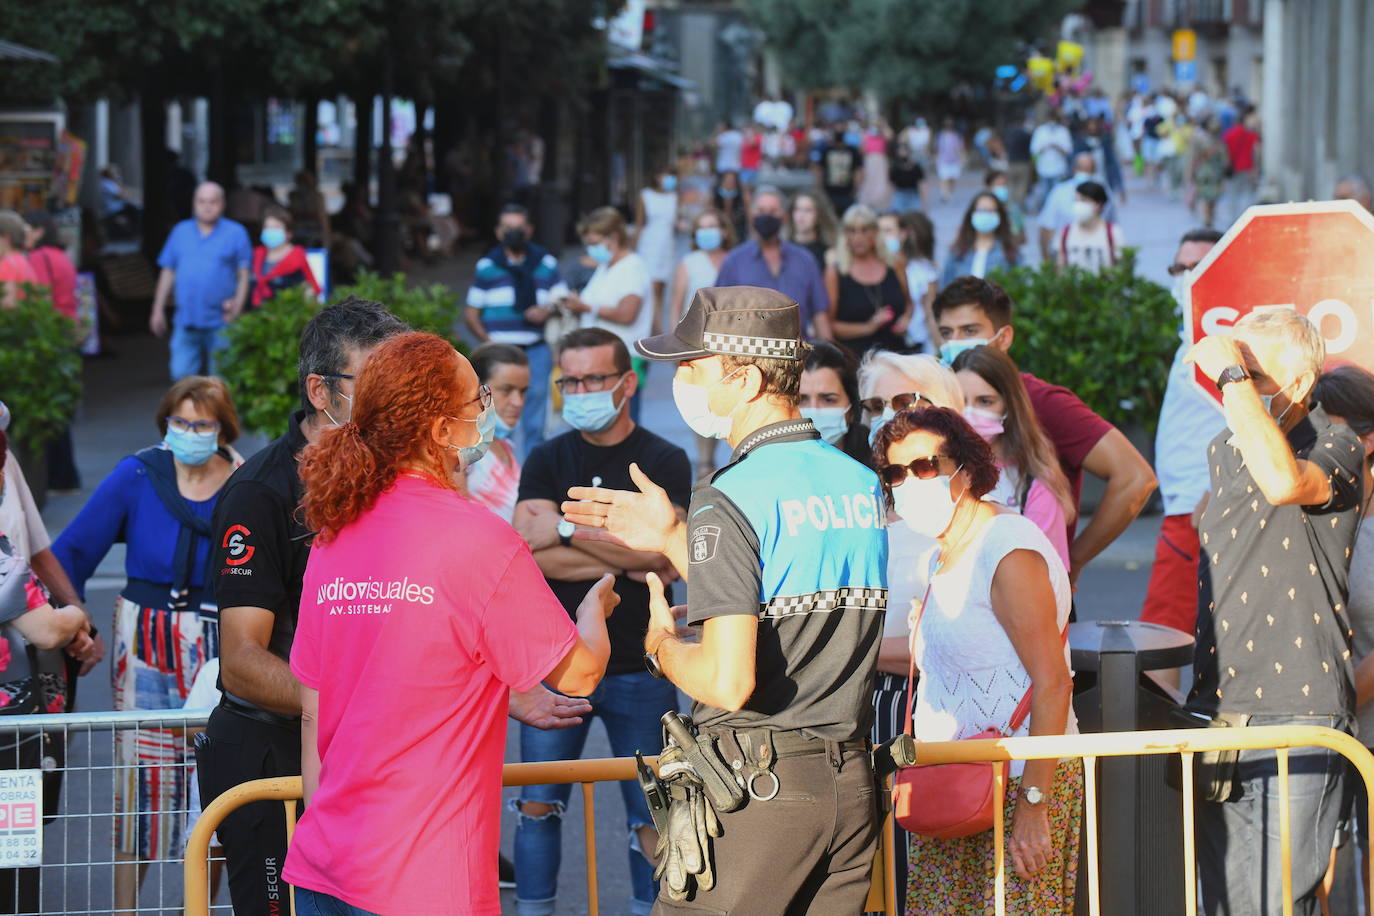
1064 242
1111 245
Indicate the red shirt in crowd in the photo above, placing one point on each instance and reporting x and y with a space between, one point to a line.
291 270
15 268
751 154
53 269
1240 143
1072 426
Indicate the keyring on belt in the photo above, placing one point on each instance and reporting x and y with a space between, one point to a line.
777 786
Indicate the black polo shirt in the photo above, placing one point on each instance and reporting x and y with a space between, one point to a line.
571 461
1273 636
261 544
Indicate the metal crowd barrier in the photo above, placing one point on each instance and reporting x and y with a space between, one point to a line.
882 896
287 790
68 766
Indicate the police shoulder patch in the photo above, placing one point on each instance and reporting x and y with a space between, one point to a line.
702 545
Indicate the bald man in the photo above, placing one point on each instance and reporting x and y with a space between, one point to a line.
205 264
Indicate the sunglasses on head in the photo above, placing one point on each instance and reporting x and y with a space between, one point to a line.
905 401
922 468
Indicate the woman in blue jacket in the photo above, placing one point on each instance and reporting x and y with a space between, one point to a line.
984 242
166 625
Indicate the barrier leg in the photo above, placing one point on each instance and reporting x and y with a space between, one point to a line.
589 829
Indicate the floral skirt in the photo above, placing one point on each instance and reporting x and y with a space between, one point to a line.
950 877
157 654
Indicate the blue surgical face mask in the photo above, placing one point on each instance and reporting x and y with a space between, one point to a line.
670 182
503 429
728 193
4 417
468 455
831 422
1001 192
190 448
952 348
985 220
708 238
887 414
894 244
600 252
273 236
592 411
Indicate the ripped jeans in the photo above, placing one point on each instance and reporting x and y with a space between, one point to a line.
630 706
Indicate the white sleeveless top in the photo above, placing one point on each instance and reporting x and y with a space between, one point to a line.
971 677
700 273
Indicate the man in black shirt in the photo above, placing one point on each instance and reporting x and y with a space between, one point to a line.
838 168
1273 638
597 385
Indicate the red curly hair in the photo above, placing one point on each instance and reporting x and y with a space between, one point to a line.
406 384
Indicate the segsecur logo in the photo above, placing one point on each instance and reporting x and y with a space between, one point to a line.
240 551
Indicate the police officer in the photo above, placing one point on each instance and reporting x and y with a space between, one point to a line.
785 556
261 549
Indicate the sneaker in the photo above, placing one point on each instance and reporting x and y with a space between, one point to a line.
505 874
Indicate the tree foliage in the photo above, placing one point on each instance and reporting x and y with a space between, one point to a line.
900 49
291 47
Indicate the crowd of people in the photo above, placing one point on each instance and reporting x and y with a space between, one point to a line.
891 546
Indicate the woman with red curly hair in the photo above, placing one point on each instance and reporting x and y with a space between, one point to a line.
987 634
406 656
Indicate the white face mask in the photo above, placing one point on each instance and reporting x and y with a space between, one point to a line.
693 402
347 419
1083 211
926 506
831 422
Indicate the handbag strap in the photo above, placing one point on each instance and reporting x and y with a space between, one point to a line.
1018 716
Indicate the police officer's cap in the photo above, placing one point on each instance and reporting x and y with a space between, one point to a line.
731 320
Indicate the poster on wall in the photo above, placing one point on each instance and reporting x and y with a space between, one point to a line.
87 314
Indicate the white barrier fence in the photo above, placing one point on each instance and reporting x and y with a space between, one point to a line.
83 771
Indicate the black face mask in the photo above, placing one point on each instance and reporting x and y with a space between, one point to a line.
515 240
767 226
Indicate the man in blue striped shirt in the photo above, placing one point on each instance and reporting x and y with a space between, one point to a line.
511 296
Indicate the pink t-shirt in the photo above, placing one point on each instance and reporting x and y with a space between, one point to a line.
15 268
415 624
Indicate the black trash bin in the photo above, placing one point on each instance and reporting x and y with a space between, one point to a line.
1140 819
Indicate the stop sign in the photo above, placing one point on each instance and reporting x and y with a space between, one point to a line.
1317 258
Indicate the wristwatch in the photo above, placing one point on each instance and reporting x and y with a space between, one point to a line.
1232 374
1033 796
565 532
651 663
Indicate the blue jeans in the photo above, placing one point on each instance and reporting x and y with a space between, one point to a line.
193 350
313 903
534 416
1239 854
906 200
630 706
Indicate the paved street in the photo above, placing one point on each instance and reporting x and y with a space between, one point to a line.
122 392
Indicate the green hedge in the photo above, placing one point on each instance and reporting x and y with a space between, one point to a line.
40 370
1109 336
259 364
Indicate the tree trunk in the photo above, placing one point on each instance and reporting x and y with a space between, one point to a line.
310 152
388 219
220 166
157 207
362 145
